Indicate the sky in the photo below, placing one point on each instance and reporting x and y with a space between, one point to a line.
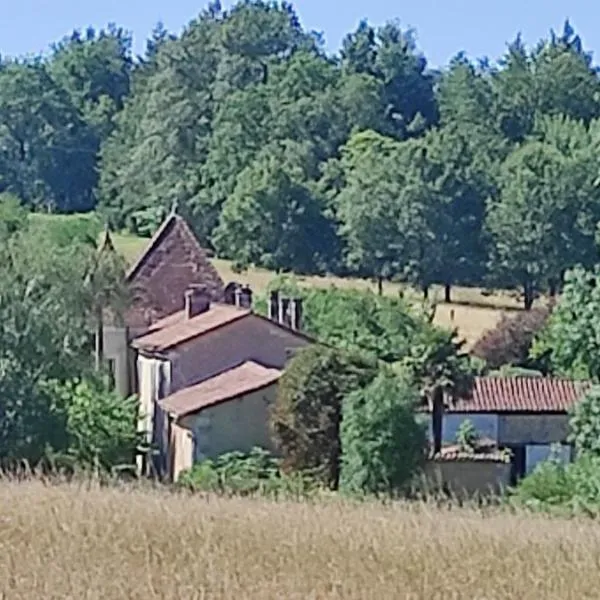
443 27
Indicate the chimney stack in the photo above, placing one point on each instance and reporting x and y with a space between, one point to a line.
273 308
296 314
246 297
197 301
237 294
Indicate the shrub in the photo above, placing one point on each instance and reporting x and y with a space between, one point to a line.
573 488
236 473
467 435
307 412
101 426
383 445
585 424
510 342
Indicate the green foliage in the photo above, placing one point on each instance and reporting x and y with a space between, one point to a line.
101 426
46 305
307 413
571 489
584 424
236 473
467 435
383 445
570 343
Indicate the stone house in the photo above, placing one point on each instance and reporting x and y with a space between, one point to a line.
208 375
528 415
157 281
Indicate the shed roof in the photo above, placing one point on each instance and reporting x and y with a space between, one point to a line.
521 394
244 379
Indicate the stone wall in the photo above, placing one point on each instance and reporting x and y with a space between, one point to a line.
467 477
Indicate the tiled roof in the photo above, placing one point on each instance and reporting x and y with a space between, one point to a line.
521 394
177 328
172 261
246 378
484 450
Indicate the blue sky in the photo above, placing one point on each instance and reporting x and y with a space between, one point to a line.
481 28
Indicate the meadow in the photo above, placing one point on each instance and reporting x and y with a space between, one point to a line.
68 541
472 311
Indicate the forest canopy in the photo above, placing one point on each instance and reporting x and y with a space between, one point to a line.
282 155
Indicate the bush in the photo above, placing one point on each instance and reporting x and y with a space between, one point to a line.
101 425
510 342
573 488
383 445
585 424
307 412
236 473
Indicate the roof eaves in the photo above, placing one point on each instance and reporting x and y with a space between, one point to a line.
156 348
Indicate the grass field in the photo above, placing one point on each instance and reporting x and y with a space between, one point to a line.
60 542
472 312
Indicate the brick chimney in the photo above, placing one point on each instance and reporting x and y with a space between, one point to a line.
197 301
296 313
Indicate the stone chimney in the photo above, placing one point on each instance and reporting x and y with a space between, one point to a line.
245 297
197 301
296 314
273 308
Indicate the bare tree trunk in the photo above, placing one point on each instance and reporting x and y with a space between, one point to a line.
99 340
448 293
380 285
425 289
528 295
437 416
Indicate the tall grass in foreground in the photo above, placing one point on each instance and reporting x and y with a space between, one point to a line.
67 541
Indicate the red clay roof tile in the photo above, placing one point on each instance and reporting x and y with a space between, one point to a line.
521 394
246 378
177 328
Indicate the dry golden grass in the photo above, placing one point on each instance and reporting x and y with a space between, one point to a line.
69 542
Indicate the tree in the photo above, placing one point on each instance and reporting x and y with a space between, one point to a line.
46 155
543 220
101 426
511 340
390 55
570 342
306 416
383 445
94 68
273 218
380 215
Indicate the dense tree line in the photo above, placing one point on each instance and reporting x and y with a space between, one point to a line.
282 155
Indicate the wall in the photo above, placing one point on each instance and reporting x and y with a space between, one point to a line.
532 429
486 424
251 338
236 425
467 477
150 372
116 347
537 453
